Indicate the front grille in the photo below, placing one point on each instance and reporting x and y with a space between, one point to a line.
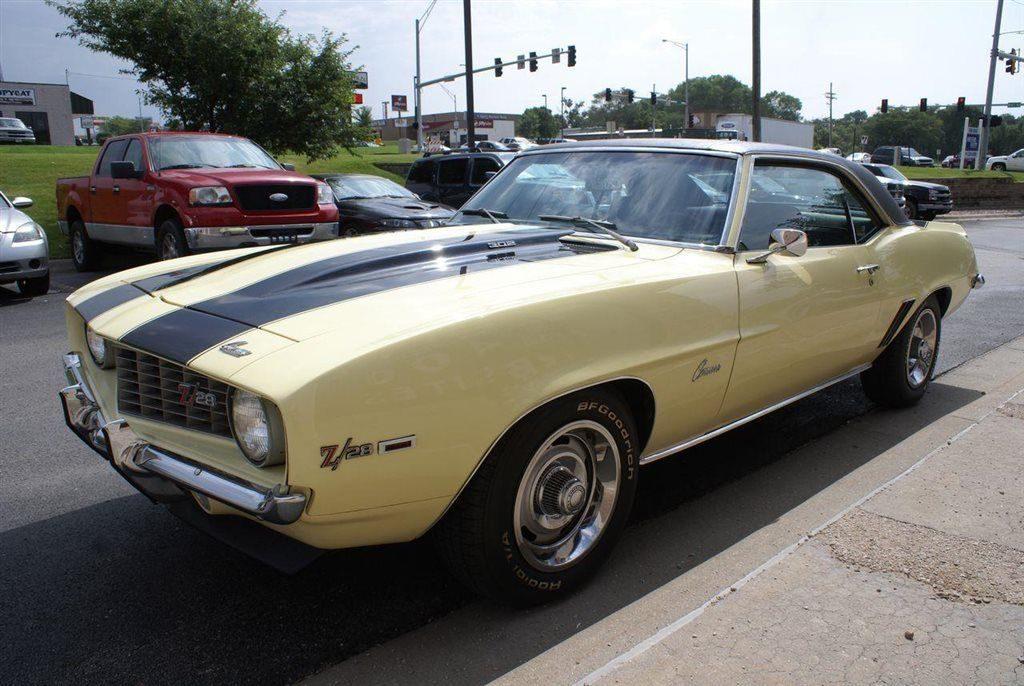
257 197
8 267
166 392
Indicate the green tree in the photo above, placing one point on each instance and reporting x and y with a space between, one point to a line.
718 93
781 105
920 130
223 65
119 126
364 117
538 122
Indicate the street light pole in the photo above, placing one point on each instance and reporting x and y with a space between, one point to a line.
756 80
983 142
561 114
416 81
686 80
467 20
545 96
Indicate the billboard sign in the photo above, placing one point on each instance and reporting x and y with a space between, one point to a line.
360 80
17 96
399 103
973 140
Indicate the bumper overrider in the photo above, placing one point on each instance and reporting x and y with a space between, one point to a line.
162 475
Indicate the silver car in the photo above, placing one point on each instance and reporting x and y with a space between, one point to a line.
24 249
13 130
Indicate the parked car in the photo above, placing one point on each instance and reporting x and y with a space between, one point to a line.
13 130
552 141
923 200
368 203
953 161
486 146
24 248
1012 162
908 157
518 143
832 151
178 193
501 382
452 179
860 157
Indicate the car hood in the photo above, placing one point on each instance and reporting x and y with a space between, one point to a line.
925 185
227 177
396 208
997 158
11 218
272 297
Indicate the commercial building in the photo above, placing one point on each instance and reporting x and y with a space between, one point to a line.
49 109
449 128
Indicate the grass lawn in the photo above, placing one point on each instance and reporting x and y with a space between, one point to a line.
33 170
924 173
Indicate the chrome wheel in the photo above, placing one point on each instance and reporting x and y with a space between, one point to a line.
921 348
169 247
566 496
78 247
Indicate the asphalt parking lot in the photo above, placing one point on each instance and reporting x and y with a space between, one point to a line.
100 585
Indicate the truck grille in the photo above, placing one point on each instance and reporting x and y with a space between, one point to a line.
257 197
166 392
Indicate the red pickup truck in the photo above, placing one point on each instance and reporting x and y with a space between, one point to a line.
182 192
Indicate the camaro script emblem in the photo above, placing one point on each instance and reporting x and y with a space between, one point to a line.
235 349
704 369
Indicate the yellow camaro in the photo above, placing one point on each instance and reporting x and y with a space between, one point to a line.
498 382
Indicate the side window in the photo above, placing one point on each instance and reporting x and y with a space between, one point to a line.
806 198
451 172
133 153
421 172
482 165
112 153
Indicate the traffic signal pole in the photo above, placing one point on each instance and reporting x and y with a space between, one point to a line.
983 142
756 80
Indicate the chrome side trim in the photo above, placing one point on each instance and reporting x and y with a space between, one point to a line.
121 234
696 440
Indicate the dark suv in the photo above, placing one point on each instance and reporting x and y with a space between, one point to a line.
908 157
452 178
923 200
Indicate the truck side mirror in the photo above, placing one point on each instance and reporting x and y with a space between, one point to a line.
124 170
287 166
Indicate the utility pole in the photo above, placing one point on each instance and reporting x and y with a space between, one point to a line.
416 81
686 80
830 96
561 114
756 80
545 96
467 20
979 162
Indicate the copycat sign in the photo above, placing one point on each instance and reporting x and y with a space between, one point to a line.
17 96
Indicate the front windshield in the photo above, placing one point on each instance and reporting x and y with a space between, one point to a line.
348 187
193 152
11 123
891 172
661 195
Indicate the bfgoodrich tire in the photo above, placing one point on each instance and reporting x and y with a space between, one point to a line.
901 375
548 504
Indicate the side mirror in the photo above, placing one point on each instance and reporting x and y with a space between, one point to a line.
124 170
287 166
786 241
489 175
21 202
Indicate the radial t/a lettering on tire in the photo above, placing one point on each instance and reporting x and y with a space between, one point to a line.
549 503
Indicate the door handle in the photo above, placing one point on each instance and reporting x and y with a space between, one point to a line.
869 268
117 189
92 189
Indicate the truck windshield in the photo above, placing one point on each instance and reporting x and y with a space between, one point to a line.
194 152
12 123
661 195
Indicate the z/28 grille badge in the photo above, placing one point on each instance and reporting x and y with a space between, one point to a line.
332 457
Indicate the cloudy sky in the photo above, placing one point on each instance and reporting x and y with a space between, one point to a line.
868 49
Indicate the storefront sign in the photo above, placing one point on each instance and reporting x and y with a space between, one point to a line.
17 96
399 103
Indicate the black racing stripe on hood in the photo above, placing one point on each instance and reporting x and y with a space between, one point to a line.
379 269
181 335
90 308
173 278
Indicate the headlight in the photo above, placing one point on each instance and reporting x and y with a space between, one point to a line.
398 223
258 432
324 194
933 195
209 195
101 354
27 233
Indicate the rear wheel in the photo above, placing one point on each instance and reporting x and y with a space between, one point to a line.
84 251
900 376
911 208
170 240
998 166
548 504
35 287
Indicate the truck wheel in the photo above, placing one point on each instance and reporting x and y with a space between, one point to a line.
548 504
911 208
901 374
170 240
998 166
84 251
35 287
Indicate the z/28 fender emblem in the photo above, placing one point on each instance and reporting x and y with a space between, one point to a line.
331 456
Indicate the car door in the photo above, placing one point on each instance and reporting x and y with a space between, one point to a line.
453 181
136 196
107 209
1015 162
481 172
421 179
809 319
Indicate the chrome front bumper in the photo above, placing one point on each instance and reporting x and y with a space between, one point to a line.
162 475
220 237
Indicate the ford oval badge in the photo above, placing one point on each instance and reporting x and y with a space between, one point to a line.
278 197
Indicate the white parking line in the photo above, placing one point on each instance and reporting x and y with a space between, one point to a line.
656 638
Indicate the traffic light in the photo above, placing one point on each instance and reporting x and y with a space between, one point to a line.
497 66
607 94
572 55
533 61
885 105
654 98
924 105
692 121
629 95
1011 64
961 104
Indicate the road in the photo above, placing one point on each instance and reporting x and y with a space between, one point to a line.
100 585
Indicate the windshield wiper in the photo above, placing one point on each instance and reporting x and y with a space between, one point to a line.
607 228
493 215
181 166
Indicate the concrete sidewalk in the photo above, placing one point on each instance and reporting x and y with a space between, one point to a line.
920 580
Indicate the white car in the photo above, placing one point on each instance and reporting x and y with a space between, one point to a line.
1014 162
518 143
24 249
862 157
13 130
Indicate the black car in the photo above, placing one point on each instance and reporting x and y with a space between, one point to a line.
452 178
908 157
924 200
368 203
